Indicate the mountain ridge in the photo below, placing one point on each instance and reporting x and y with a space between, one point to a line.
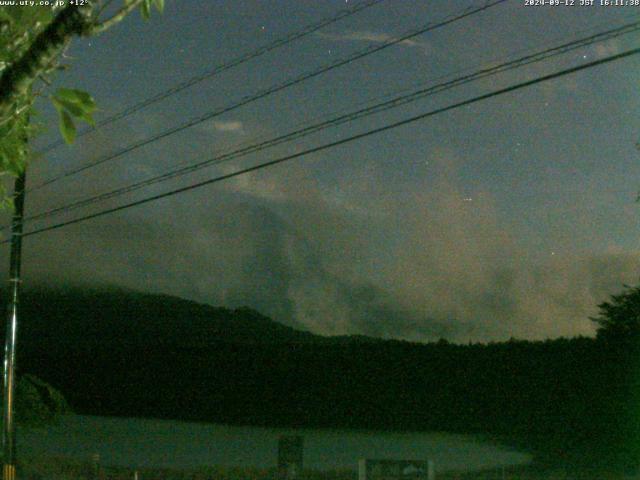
92 317
201 363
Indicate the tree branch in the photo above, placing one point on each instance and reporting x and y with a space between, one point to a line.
116 18
20 75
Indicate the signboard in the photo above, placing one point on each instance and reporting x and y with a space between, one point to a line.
373 469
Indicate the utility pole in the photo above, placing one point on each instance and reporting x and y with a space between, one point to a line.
8 424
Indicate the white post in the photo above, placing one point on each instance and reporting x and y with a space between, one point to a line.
362 469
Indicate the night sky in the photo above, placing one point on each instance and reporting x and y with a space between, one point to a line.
512 217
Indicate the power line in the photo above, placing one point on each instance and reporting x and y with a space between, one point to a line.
280 42
271 90
343 141
373 109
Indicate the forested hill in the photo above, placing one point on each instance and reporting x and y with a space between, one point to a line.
117 352
74 317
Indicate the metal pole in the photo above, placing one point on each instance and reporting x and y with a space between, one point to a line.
8 430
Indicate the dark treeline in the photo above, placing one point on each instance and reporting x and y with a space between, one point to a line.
128 354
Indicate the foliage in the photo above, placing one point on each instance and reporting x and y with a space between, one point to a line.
18 29
619 318
73 103
145 7
32 42
37 402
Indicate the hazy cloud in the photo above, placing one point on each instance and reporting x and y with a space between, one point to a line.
228 126
300 271
607 49
373 37
425 265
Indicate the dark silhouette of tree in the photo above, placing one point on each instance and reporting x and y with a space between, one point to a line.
619 318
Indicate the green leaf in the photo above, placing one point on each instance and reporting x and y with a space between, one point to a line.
89 119
159 5
4 160
75 103
76 97
67 127
145 9
74 109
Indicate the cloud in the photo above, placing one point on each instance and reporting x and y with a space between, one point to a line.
228 126
373 37
448 267
419 266
606 49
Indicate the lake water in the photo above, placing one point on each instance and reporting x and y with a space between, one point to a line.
164 443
